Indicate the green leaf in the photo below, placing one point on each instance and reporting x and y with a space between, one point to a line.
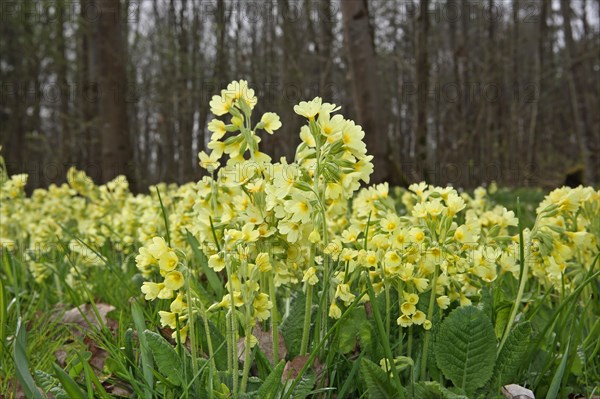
558 376
166 358
433 390
304 388
145 351
512 355
353 328
69 385
292 326
49 384
213 278
465 348
377 381
22 365
270 387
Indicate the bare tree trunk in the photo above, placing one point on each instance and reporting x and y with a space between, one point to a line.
112 79
325 49
422 79
360 50
589 141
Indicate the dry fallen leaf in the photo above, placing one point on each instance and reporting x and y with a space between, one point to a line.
514 391
85 317
265 343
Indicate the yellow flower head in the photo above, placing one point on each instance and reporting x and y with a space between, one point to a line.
418 318
174 280
408 308
404 321
310 276
270 122
334 311
262 305
168 261
309 109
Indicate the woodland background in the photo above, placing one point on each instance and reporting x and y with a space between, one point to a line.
451 91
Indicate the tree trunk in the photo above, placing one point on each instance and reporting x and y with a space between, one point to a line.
589 141
422 79
360 50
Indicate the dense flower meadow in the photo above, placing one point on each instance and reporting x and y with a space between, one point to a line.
259 241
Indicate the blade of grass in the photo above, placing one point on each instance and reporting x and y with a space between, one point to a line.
22 365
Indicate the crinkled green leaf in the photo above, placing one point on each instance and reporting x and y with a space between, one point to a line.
512 355
379 385
165 357
465 348
272 383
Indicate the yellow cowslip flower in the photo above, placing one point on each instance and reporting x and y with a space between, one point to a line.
151 290
291 229
217 147
464 301
455 204
421 283
309 109
209 162
183 332
218 129
352 137
226 301
306 137
241 92
143 259
385 365
270 122
334 311
158 247
392 259
168 319
419 211
427 324
411 298
314 236
220 105
178 305
371 259
350 235
216 262
417 235
310 276
168 261
299 208
390 223
443 302
262 305
343 292
174 280
263 263
404 321
249 234
408 308
418 318
405 272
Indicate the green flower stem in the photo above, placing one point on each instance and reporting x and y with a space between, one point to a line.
247 350
429 317
274 321
400 329
388 309
307 313
192 327
381 330
232 326
524 260
211 354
